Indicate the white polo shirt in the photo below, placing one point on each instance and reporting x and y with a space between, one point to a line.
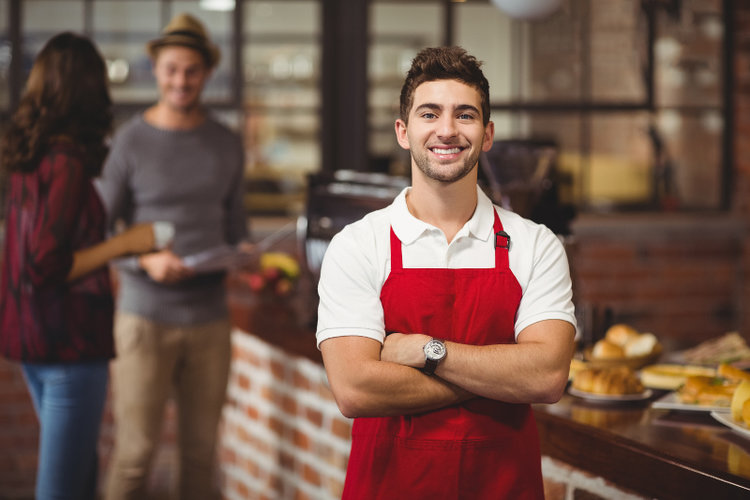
358 261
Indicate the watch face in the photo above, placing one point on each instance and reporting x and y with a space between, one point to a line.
435 349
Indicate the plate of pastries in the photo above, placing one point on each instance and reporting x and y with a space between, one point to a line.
705 383
623 345
609 383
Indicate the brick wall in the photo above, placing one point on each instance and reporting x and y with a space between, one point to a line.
283 436
18 435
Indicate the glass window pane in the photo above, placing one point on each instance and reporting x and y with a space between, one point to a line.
397 32
688 69
618 51
692 152
281 69
620 162
219 26
5 51
121 29
42 19
564 130
495 39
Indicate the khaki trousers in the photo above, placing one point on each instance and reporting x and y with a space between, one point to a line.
153 362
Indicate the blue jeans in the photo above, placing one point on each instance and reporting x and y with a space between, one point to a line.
69 401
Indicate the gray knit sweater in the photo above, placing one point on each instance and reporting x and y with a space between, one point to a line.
192 178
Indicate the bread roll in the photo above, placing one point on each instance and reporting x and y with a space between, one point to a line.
732 373
620 334
740 396
604 349
618 380
640 345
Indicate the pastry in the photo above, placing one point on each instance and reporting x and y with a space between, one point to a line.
672 376
618 380
620 334
604 349
640 345
707 391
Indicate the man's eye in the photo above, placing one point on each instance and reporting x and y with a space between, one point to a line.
466 116
429 116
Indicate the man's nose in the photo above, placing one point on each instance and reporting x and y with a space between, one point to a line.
446 126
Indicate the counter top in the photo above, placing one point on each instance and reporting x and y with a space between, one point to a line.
656 453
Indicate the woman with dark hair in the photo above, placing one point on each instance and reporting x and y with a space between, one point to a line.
56 305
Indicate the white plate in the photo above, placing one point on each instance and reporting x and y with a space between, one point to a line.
671 401
726 419
610 397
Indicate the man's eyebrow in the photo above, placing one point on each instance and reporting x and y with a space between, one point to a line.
437 107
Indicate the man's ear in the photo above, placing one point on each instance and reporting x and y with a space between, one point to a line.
401 135
489 136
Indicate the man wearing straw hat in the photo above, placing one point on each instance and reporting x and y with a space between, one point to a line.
173 163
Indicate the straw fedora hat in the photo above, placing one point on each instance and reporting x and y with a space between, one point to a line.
187 31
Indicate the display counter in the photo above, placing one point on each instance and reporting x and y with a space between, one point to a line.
652 453
656 453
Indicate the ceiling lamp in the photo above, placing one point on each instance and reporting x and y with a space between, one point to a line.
528 9
220 5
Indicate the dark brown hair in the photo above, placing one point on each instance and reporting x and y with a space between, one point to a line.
66 95
445 63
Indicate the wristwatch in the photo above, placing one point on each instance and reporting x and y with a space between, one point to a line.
434 353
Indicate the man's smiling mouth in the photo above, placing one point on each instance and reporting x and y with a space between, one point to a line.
446 151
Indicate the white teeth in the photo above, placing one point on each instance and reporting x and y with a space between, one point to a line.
446 151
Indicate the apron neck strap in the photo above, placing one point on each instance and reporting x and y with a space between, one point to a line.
502 244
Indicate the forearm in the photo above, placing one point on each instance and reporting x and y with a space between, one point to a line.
515 373
94 257
365 386
533 370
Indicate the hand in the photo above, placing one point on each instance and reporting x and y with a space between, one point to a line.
138 239
404 349
165 267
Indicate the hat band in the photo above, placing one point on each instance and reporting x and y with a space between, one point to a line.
190 34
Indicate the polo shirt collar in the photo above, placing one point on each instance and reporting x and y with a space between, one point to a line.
408 228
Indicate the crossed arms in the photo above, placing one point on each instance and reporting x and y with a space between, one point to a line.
368 379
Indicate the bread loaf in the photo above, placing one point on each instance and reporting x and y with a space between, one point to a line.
620 334
604 349
640 345
619 380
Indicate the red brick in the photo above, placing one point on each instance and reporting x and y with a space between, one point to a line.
341 428
314 416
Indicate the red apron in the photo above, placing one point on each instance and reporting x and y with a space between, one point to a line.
481 449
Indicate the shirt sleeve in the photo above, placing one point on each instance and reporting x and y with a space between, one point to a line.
548 293
349 290
50 238
113 186
236 220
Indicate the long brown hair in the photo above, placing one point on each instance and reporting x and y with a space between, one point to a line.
66 95
445 63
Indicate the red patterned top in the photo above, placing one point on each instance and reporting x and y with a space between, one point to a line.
52 212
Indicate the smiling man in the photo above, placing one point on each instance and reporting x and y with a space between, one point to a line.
173 163
442 317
